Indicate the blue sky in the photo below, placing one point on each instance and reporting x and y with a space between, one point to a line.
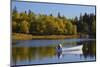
70 11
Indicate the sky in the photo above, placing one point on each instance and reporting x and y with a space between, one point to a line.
68 10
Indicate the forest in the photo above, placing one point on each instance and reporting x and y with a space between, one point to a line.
28 22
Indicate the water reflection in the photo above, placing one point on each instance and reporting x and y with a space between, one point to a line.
28 54
31 53
89 49
59 55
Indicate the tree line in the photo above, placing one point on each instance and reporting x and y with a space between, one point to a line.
41 24
87 24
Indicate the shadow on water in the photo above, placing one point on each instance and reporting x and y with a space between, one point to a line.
20 54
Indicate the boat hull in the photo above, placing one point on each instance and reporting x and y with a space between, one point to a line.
75 48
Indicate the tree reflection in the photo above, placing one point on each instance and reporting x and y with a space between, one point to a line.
89 49
31 53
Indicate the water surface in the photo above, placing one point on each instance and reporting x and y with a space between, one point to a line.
44 51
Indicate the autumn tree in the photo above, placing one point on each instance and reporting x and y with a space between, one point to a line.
24 27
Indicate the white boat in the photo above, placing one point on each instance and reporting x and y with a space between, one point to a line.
73 52
75 48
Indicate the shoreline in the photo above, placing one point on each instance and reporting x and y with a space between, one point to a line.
20 36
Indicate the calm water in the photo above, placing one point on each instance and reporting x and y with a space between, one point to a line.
44 51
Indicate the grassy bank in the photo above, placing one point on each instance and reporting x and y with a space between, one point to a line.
17 36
